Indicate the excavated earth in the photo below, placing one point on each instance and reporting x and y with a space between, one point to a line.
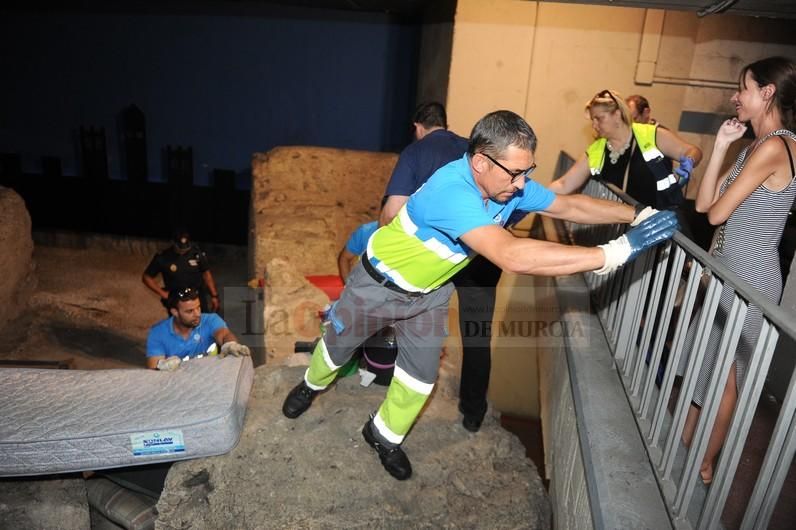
91 311
313 472
317 471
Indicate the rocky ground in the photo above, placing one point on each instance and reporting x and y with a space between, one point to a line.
91 309
317 472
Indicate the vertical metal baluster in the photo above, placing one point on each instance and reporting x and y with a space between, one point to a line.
617 279
707 417
630 323
776 464
662 327
680 334
649 320
748 397
704 326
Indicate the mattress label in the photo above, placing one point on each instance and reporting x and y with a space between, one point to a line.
157 442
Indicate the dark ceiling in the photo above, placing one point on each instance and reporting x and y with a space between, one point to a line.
762 8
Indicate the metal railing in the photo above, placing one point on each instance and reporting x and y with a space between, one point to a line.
646 310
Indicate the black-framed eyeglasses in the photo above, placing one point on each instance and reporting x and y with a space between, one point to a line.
514 174
189 293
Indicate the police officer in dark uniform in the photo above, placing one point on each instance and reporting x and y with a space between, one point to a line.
182 265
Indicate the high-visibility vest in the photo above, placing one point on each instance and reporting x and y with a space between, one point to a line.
645 139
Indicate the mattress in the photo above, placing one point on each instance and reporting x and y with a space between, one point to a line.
59 421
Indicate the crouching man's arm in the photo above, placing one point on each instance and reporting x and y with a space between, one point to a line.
229 344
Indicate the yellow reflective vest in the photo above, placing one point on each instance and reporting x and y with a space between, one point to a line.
645 139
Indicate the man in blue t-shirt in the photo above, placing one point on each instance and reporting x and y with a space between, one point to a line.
401 279
354 247
476 284
189 334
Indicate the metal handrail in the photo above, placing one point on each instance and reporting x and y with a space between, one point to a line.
775 313
635 304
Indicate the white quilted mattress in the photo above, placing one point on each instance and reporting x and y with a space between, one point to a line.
57 421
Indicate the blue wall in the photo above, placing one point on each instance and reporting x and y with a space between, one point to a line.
228 85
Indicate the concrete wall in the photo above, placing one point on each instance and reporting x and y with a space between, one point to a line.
545 60
492 49
563 462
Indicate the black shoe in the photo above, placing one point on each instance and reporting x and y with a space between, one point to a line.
298 400
393 459
472 422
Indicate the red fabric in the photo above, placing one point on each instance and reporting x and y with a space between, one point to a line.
330 284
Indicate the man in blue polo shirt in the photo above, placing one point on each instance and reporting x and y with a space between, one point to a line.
189 334
402 279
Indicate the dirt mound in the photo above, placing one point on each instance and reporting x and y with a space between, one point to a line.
16 260
317 472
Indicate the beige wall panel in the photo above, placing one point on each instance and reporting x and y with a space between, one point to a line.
579 50
677 44
492 45
674 60
512 384
723 45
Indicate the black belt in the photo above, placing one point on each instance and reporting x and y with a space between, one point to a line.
383 280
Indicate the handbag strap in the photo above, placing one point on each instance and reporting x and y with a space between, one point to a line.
629 159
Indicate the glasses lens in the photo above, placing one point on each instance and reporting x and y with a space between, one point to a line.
522 174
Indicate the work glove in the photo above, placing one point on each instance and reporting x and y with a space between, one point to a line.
235 349
684 170
169 364
646 213
653 230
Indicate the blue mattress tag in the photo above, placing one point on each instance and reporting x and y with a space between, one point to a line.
157 442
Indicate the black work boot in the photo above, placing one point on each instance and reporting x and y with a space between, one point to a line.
471 422
393 459
298 400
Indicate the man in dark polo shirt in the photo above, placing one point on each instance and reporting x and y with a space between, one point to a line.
434 147
182 265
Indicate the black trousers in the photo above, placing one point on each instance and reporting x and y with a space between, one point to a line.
476 286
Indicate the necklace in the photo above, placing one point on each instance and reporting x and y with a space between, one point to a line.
614 154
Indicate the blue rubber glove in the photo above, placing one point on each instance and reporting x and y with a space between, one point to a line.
684 170
655 229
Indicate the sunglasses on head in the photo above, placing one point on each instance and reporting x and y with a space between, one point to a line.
189 293
607 94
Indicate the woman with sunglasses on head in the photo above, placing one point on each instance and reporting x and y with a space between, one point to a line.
635 157
749 203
